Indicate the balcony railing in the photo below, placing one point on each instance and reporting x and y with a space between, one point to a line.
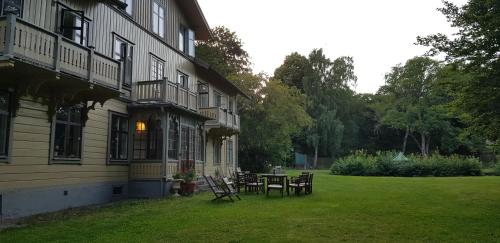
20 40
165 91
221 118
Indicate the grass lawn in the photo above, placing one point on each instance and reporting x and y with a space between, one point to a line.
340 209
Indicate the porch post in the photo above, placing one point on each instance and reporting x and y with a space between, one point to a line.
10 35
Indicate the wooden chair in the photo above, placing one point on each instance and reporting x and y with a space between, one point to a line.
275 183
239 180
297 183
229 187
253 183
218 191
309 182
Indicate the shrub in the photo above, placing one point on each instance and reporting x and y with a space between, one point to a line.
497 170
383 164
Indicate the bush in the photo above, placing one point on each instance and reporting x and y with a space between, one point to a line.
383 164
497 170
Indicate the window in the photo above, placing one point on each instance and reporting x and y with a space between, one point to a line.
231 105
118 144
203 95
148 140
74 26
217 99
123 51
217 153
158 19
4 123
173 139
157 68
12 6
68 132
230 151
187 41
183 80
128 9
200 144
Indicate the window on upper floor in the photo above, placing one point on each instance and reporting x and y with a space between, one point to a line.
187 41
130 6
217 99
203 95
183 80
157 68
5 116
123 51
158 19
67 133
74 26
11 6
230 105
118 141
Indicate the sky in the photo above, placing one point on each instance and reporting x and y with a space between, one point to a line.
377 34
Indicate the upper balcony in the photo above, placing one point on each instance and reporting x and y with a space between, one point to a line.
28 52
163 91
224 121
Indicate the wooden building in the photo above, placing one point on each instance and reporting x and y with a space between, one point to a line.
104 99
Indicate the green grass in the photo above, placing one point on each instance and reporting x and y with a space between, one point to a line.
341 209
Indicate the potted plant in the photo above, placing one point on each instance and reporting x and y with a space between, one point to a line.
176 186
188 185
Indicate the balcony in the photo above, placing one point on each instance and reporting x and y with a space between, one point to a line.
163 91
223 122
28 52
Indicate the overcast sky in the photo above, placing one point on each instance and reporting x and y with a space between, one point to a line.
378 34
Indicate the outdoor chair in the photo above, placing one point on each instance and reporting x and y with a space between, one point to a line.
297 184
239 180
309 182
218 191
253 183
275 183
228 186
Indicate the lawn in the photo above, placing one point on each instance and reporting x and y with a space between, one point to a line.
366 209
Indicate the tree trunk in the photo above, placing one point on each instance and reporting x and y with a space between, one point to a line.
423 145
405 141
315 164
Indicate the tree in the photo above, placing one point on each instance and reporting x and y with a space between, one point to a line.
293 70
476 50
415 102
224 52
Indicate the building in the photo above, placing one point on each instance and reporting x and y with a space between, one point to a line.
104 99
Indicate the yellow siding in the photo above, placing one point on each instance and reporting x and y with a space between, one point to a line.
29 161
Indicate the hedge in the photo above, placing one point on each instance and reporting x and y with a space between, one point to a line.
383 164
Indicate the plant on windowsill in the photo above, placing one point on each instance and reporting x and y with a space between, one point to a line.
188 186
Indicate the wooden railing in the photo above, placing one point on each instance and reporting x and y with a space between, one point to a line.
32 44
165 91
221 117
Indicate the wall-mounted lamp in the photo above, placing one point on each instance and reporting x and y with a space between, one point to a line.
140 126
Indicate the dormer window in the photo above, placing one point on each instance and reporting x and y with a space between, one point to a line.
11 6
158 19
129 7
186 41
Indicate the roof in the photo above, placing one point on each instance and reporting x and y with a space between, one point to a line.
218 79
193 12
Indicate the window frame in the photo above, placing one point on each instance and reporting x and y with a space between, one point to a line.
85 27
217 150
9 131
203 94
130 48
21 10
157 21
157 60
175 145
131 5
188 41
150 135
112 161
182 74
230 151
63 160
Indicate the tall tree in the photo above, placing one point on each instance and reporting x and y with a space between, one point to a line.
224 52
476 48
293 70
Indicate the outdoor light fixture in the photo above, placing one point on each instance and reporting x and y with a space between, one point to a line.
140 126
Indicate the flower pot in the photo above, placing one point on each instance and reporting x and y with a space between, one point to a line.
176 186
188 188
